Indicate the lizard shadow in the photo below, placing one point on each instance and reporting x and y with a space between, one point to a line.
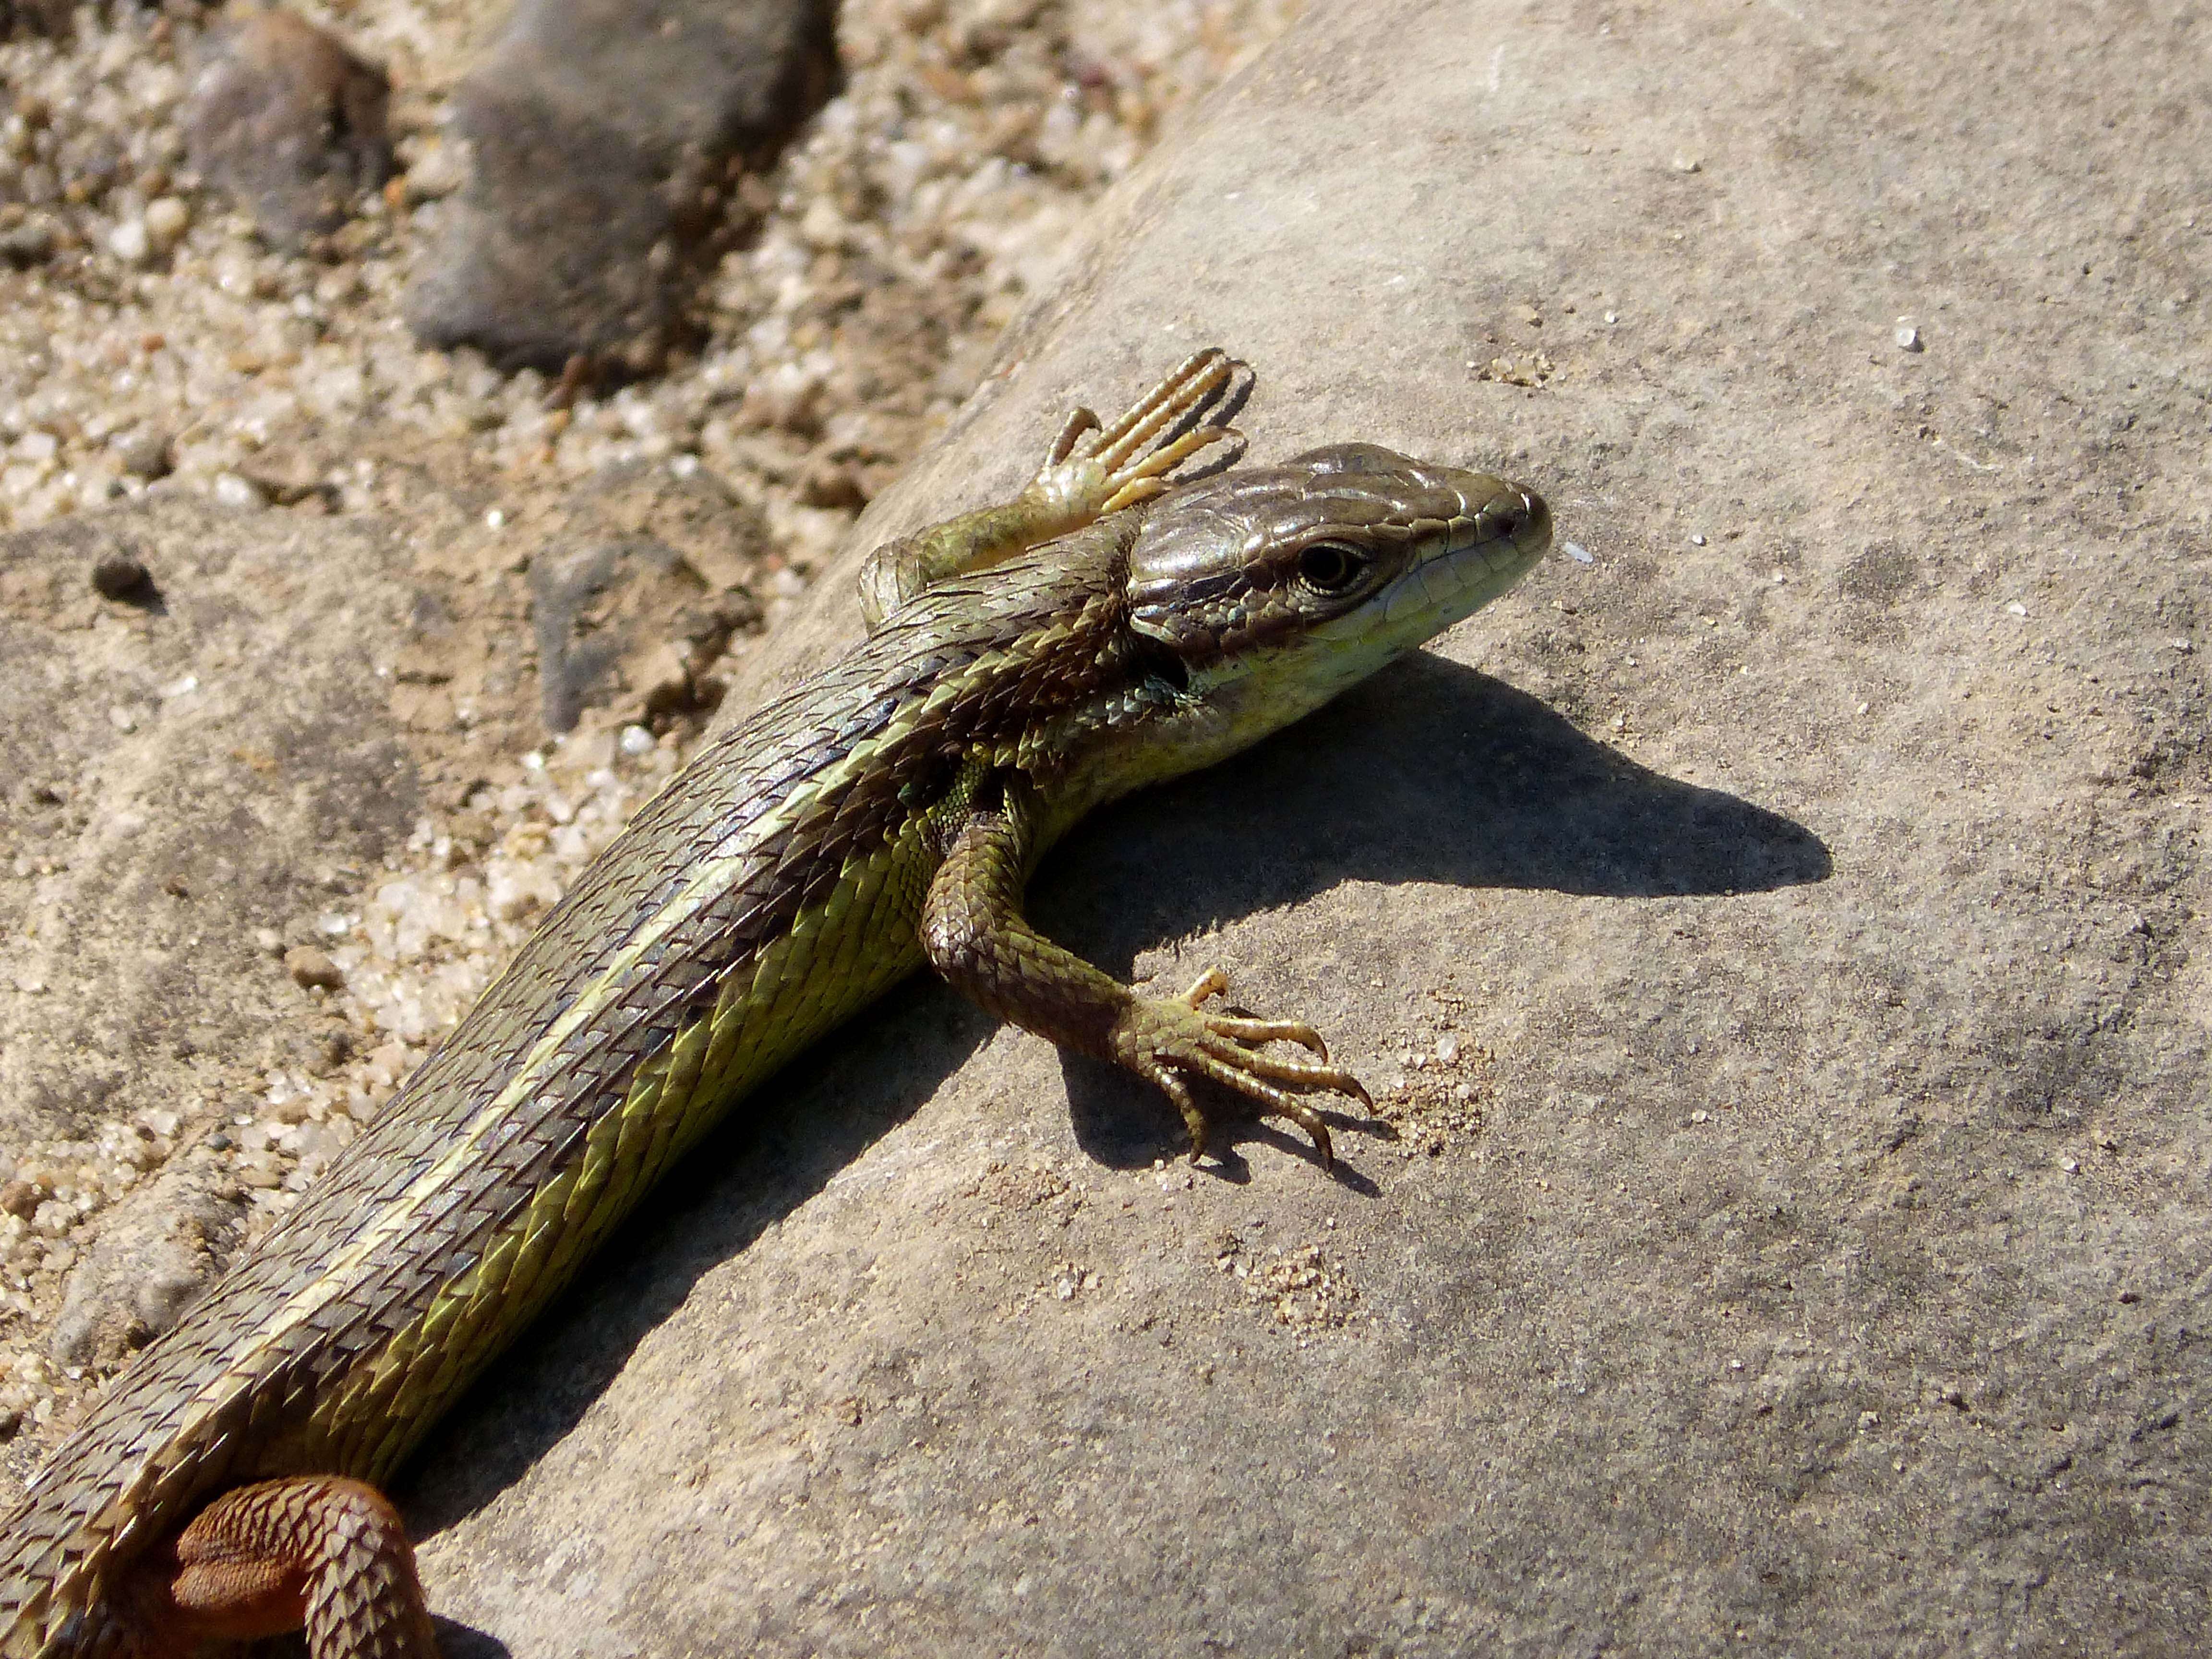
1431 772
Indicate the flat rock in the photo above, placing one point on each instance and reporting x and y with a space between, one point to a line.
143 738
290 122
603 142
1774 934
205 758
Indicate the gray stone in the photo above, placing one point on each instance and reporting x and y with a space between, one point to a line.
32 18
147 1264
290 123
311 969
637 589
609 616
1808 1250
145 454
603 140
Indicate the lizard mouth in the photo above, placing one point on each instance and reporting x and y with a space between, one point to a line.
1506 530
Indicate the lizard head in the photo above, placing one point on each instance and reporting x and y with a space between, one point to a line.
1267 591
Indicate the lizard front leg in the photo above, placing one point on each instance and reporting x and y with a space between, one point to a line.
1079 483
974 934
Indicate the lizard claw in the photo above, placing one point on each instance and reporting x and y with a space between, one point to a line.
1166 1040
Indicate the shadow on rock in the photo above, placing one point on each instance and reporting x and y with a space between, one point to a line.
813 1120
1431 772
458 1641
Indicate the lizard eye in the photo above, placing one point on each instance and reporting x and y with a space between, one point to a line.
1330 567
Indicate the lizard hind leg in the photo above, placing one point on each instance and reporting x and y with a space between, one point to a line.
318 1553
1192 385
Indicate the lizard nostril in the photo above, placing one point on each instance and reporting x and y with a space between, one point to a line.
1526 519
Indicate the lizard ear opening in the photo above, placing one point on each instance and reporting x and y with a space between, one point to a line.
1158 661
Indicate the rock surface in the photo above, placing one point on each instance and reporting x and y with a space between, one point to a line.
635 595
219 758
1774 933
207 703
291 123
589 211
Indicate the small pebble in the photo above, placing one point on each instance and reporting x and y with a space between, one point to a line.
1907 337
30 243
130 243
309 967
233 491
166 220
119 576
144 455
438 172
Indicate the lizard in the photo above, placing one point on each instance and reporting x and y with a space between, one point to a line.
1112 626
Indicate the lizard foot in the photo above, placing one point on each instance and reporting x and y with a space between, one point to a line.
1162 1039
1114 469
